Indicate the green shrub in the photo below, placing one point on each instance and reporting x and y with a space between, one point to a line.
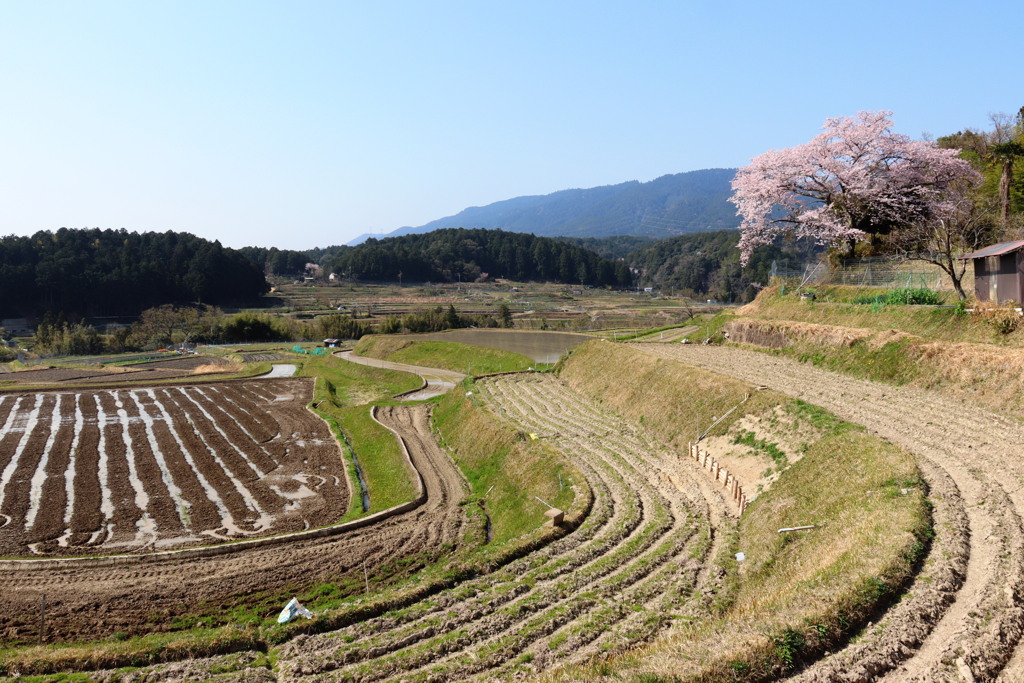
903 297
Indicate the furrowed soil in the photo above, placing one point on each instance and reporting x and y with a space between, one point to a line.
962 619
639 559
148 593
135 470
646 552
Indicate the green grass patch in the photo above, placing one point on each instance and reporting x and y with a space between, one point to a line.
893 363
467 358
649 332
834 306
389 480
902 297
770 449
351 383
520 469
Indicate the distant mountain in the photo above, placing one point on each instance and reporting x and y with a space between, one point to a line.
664 207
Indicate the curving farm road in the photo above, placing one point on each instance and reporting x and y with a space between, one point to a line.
437 381
962 619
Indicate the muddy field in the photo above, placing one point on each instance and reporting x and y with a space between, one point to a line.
130 470
85 601
152 371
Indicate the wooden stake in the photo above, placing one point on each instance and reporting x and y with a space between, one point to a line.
366 578
42 620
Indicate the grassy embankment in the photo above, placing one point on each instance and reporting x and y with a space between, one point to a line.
504 467
466 358
969 356
340 395
796 595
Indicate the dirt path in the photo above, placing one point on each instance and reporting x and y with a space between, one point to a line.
962 619
84 601
670 335
437 381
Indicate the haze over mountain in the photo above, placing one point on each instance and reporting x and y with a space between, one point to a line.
671 205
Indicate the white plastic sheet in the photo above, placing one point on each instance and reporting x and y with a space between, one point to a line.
293 609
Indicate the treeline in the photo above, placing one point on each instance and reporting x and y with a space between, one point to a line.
274 261
475 255
106 272
166 325
615 247
707 264
998 155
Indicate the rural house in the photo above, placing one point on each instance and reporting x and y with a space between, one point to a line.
999 272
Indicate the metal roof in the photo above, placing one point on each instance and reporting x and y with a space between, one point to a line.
996 250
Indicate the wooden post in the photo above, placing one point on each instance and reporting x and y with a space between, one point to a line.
42 620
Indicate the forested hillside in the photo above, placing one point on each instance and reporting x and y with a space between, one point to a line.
105 272
708 264
670 205
615 247
274 261
467 255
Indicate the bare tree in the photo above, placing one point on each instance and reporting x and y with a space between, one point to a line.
964 226
1004 149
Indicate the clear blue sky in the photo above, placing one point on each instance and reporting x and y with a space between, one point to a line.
299 124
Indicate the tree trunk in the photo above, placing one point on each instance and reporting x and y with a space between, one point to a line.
949 266
1004 191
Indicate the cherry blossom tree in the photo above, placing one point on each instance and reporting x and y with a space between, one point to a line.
854 179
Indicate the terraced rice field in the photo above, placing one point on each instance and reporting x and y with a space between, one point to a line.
128 470
639 559
962 619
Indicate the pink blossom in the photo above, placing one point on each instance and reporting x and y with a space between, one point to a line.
855 177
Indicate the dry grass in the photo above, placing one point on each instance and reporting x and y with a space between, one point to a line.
990 374
235 366
381 346
796 595
675 402
814 584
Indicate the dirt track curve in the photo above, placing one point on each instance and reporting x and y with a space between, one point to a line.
84 601
962 619
436 381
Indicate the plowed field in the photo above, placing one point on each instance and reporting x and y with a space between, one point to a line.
139 469
145 593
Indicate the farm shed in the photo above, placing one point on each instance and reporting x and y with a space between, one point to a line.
999 272
331 343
